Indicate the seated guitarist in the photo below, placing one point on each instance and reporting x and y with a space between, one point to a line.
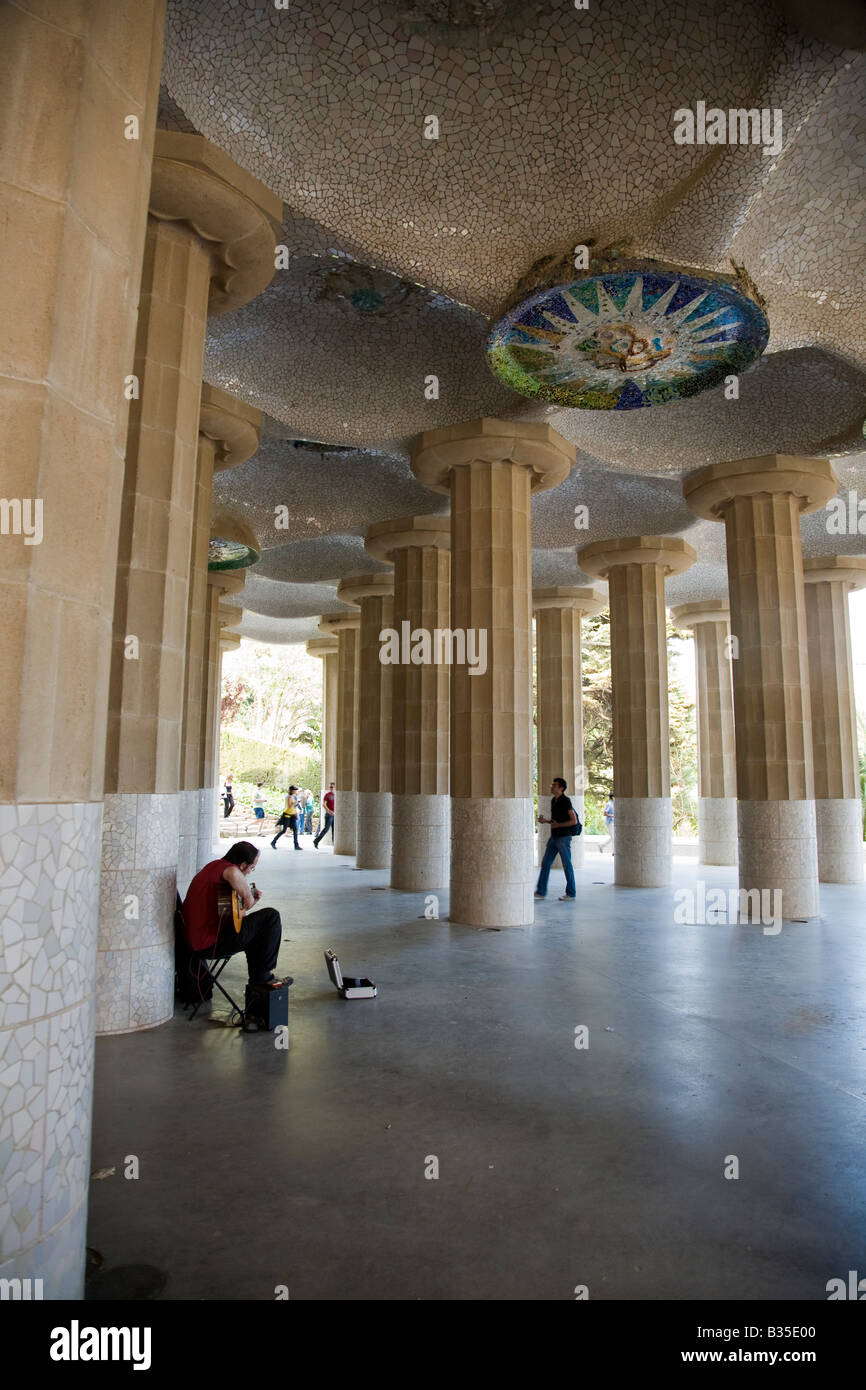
260 932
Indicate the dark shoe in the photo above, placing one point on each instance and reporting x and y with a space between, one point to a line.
540 896
273 846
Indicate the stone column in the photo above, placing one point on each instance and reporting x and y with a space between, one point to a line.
374 593
760 500
635 568
228 435
327 648
418 547
717 767
209 249
345 626
72 80
489 468
559 730
838 808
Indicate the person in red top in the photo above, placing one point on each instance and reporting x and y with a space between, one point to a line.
261 932
327 818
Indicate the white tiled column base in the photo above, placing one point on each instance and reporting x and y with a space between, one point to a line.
420 842
543 835
135 968
717 830
644 841
345 817
839 822
208 829
492 875
373 849
778 850
187 839
49 900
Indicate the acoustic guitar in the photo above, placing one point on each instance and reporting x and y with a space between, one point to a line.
229 907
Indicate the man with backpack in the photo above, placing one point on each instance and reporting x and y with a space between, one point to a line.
563 824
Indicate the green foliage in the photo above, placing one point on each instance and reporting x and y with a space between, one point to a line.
598 734
251 761
273 695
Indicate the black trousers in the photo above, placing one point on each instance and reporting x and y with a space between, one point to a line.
260 936
327 824
283 828
229 805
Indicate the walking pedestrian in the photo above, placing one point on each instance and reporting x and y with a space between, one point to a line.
563 824
327 816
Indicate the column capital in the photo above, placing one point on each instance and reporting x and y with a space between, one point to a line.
849 570
384 538
709 610
233 426
586 601
241 220
811 481
227 581
338 622
322 646
229 641
672 553
524 443
229 616
358 586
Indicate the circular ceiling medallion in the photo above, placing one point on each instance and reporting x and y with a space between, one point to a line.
627 338
230 555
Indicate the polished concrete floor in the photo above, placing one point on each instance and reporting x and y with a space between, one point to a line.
558 1167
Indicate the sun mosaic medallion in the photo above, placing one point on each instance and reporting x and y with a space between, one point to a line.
625 339
230 555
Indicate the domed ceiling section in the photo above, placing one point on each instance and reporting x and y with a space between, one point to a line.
555 126
293 491
347 353
805 401
325 560
550 120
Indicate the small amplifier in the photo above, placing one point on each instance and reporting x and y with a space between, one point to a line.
269 1008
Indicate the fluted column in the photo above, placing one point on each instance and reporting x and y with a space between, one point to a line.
489 468
418 547
760 501
559 613
717 768
326 648
374 594
74 214
345 626
228 435
209 248
635 568
838 808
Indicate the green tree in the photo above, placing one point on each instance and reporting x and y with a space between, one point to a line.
273 694
598 731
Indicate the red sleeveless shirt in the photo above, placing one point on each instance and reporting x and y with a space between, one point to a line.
200 905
